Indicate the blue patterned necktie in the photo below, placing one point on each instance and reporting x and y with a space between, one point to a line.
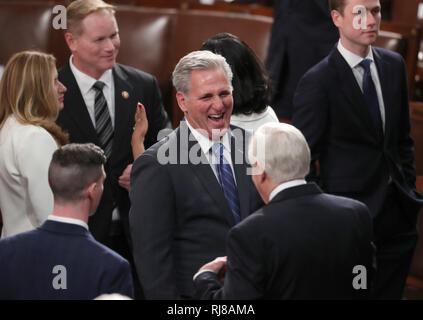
103 121
370 95
227 181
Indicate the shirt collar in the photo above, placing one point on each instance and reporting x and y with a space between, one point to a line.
68 220
205 143
352 59
286 185
85 82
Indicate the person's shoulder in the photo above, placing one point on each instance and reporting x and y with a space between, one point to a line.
386 54
345 203
104 254
133 72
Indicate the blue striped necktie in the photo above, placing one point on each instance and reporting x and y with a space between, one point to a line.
103 121
370 94
227 181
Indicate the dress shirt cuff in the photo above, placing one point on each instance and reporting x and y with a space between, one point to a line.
200 272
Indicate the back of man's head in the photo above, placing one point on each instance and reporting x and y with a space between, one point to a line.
79 9
281 151
73 168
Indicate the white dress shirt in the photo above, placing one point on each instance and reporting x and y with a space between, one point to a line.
205 144
286 185
353 61
25 195
85 84
68 220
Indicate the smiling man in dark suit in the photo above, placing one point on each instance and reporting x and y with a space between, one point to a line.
353 109
190 188
304 244
100 105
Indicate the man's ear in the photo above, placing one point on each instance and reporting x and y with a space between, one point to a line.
181 99
336 17
91 190
71 41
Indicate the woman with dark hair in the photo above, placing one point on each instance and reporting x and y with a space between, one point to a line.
30 99
250 82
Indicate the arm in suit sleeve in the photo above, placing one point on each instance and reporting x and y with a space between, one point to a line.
310 116
33 159
151 222
120 279
405 142
245 273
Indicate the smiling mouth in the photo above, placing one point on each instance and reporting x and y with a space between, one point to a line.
216 116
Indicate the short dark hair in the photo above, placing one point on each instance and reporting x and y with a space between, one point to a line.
73 168
251 89
337 5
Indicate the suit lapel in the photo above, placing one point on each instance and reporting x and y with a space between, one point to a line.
125 105
75 108
205 173
352 92
383 69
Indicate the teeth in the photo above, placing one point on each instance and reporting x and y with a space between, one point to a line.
215 116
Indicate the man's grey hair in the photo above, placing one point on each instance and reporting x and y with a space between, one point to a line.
281 151
198 60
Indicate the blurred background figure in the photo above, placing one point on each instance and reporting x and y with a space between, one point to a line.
251 91
302 35
30 99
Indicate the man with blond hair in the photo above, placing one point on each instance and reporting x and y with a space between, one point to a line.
99 107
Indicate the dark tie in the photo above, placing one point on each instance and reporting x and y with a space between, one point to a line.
370 95
103 121
227 181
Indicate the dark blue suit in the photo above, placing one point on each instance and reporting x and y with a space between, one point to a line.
358 161
302 35
303 245
27 261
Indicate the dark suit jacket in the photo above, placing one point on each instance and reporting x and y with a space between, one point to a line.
179 216
302 35
303 245
27 261
75 119
355 159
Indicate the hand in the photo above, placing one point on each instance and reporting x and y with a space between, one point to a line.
218 266
124 179
140 130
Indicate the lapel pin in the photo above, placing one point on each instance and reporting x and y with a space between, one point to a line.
125 94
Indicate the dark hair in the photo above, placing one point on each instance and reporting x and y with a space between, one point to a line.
73 168
250 82
337 5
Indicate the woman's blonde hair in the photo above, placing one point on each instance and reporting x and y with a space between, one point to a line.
27 91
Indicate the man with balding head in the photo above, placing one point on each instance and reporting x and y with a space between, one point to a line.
304 244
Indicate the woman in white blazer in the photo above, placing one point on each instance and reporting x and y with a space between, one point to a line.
30 99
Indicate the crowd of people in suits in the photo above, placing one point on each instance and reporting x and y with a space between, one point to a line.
232 204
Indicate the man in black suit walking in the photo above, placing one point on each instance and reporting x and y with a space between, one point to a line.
352 107
100 105
190 188
304 244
